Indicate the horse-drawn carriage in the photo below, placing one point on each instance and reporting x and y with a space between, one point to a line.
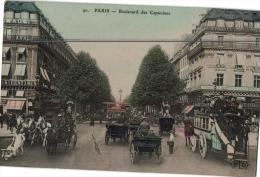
117 127
144 140
116 130
61 135
221 127
166 124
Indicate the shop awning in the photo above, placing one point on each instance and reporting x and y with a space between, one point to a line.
15 104
188 109
4 93
5 51
5 69
240 59
43 73
46 75
20 70
257 60
21 50
19 93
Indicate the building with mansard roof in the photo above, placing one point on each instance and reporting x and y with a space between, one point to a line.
222 56
34 55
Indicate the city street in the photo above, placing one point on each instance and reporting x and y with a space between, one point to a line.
115 156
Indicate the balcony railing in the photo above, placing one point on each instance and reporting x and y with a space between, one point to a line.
201 29
225 45
224 88
26 83
21 38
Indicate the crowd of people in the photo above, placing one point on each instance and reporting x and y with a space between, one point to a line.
36 126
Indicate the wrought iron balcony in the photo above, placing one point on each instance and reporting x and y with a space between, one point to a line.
200 30
225 45
18 38
223 88
15 83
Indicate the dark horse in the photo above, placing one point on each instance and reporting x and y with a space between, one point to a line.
51 142
188 131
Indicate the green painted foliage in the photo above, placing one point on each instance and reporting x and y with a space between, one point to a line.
84 82
156 81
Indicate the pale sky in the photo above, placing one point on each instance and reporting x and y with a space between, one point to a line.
120 61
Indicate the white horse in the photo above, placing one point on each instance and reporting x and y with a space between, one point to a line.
45 132
15 148
19 120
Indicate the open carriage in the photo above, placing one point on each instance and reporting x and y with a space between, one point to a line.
61 135
222 128
166 124
150 144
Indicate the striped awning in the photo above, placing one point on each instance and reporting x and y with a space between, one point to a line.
5 50
15 104
44 74
47 76
21 50
19 93
5 69
4 93
20 70
240 59
188 109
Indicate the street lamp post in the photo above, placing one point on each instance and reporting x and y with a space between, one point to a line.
120 94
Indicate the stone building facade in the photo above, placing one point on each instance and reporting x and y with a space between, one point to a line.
34 55
223 56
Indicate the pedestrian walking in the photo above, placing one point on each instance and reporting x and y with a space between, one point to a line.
1 120
13 122
8 120
170 142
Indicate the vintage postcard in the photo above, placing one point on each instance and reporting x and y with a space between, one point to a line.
130 88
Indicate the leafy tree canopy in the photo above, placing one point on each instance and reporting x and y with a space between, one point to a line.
156 81
84 82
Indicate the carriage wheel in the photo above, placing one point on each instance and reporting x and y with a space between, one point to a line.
133 154
126 137
106 138
74 140
159 154
130 139
203 147
194 143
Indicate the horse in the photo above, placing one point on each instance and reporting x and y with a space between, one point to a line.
45 132
51 141
188 131
37 135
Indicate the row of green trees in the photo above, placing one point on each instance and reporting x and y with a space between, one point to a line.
85 83
157 81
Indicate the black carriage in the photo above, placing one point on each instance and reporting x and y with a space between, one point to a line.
133 126
150 144
116 130
166 124
65 133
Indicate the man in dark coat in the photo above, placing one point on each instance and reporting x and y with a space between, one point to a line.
13 122
1 120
